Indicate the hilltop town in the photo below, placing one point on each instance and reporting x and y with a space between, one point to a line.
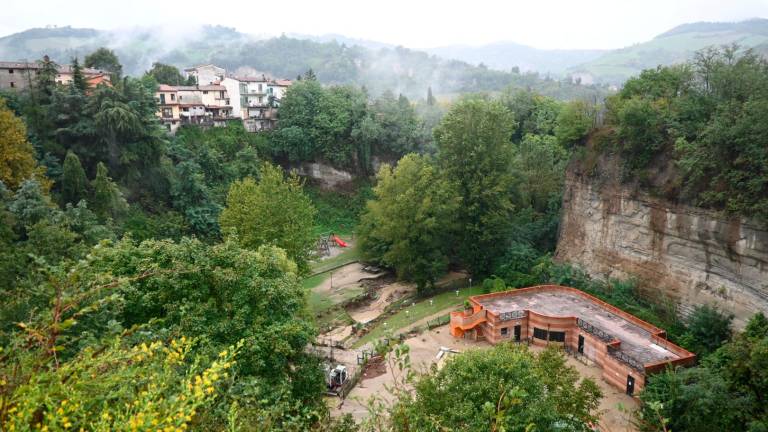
215 99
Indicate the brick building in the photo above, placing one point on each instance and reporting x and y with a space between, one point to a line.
627 348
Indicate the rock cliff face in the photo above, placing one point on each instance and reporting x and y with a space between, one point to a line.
325 175
691 255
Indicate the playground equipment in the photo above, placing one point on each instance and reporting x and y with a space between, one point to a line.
325 242
339 241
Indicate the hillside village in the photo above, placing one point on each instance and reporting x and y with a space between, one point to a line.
219 97
214 100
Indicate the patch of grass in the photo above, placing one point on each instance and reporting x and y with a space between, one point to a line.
338 212
333 317
313 281
319 302
421 310
349 255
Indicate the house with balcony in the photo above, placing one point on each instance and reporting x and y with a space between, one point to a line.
258 101
626 348
167 98
206 105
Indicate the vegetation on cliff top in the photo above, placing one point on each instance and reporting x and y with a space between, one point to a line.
696 132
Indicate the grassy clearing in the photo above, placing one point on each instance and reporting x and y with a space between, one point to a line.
319 302
415 313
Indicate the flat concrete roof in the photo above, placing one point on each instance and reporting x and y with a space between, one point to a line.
636 341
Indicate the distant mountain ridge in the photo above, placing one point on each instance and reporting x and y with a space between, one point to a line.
676 45
335 59
381 66
507 55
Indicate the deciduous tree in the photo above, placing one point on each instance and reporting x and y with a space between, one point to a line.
275 210
506 388
410 225
17 157
475 151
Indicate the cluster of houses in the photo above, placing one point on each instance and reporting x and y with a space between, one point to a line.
21 75
214 100
218 98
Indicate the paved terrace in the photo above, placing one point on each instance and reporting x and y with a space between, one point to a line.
635 340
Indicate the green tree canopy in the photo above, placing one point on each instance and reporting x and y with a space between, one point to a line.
166 74
410 225
107 201
74 183
273 211
504 388
105 59
475 151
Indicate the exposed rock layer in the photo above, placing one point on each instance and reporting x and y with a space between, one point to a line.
691 255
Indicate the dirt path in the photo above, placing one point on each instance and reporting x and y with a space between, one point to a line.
386 296
342 278
423 352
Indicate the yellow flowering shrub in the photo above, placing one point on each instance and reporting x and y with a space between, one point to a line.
147 387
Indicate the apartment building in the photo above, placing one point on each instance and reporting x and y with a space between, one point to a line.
207 105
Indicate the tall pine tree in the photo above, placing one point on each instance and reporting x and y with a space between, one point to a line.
74 183
107 200
78 79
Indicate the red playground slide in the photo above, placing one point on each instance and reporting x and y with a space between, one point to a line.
339 241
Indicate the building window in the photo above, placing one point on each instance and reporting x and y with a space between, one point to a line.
173 97
10 71
539 333
205 92
13 84
504 331
556 336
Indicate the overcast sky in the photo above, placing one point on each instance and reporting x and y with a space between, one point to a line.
412 23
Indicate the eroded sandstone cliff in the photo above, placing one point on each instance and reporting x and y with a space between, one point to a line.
691 255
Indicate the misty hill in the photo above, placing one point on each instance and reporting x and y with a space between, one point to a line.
674 46
506 55
384 68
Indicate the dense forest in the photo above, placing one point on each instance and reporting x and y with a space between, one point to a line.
154 282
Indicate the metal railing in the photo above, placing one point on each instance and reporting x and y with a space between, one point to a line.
626 359
508 316
591 329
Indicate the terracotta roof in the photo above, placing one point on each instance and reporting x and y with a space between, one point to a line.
166 88
283 82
